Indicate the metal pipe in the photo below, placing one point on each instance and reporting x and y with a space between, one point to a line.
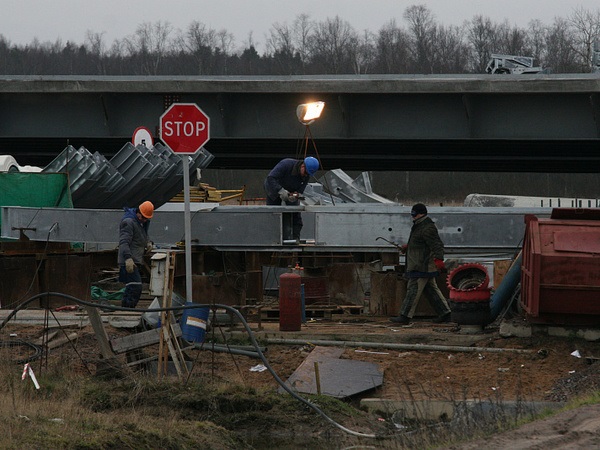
418 347
225 349
506 288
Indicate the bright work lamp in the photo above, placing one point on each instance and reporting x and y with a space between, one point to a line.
308 112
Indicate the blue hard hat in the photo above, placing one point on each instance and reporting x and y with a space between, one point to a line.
311 164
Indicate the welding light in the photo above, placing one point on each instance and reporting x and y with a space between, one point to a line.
309 112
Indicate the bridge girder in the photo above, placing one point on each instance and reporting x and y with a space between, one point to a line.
533 123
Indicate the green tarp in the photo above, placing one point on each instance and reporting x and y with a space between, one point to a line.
99 293
35 189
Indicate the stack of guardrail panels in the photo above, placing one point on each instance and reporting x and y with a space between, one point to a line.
133 175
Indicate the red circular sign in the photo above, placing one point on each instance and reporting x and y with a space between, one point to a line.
184 128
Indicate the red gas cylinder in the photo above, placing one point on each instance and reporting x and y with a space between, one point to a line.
290 302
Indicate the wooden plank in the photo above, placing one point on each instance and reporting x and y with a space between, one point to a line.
140 340
62 340
172 352
500 269
47 336
100 331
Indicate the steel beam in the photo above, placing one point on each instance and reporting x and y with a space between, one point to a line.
334 228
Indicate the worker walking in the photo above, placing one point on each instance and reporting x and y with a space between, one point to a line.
424 260
133 243
286 182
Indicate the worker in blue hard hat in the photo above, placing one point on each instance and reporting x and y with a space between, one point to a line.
286 182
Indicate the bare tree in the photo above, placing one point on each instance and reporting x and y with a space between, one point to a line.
223 51
481 38
250 60
586 29
422 29
511 40
364 57
94 42
199 41
281 49
536 42
150 44
280 39
451 54
226 42
392 49
333 46
560 54
303 28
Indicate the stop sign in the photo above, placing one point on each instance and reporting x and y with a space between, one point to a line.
184 128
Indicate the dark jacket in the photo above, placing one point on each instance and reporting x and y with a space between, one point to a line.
133 237
424 245
286 174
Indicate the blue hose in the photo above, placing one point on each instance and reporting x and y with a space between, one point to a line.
505 291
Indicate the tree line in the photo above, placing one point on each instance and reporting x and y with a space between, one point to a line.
420 45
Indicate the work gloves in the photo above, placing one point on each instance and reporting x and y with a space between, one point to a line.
288 196
129 265
149 246
404 249
284 195
439 263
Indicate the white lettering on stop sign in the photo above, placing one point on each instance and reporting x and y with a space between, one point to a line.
184 128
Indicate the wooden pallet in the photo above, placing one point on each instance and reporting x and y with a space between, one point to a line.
313 312
207 193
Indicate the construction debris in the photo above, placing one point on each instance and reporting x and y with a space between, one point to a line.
206 193
324 373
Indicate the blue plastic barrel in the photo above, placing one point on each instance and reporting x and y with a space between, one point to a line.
194 322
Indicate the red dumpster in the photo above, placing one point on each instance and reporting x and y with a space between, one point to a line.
560 274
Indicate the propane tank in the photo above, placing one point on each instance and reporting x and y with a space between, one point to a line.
290 302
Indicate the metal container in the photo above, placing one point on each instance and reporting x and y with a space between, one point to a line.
194 322
560 277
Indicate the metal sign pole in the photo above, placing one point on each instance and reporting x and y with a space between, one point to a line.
188 227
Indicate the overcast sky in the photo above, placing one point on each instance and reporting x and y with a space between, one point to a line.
23 20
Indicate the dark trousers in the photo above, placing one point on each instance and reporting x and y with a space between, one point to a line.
428 286
296 217
133 287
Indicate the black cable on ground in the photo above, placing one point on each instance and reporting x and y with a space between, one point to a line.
213 306
20 342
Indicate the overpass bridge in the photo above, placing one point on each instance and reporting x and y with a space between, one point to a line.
530 123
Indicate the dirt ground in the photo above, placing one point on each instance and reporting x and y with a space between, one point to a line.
537 368
574 429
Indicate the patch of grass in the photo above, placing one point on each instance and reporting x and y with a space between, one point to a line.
334 406
591 399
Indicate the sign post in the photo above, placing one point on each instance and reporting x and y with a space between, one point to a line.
184 128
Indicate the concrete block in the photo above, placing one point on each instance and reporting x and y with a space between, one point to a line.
589 334
515 329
